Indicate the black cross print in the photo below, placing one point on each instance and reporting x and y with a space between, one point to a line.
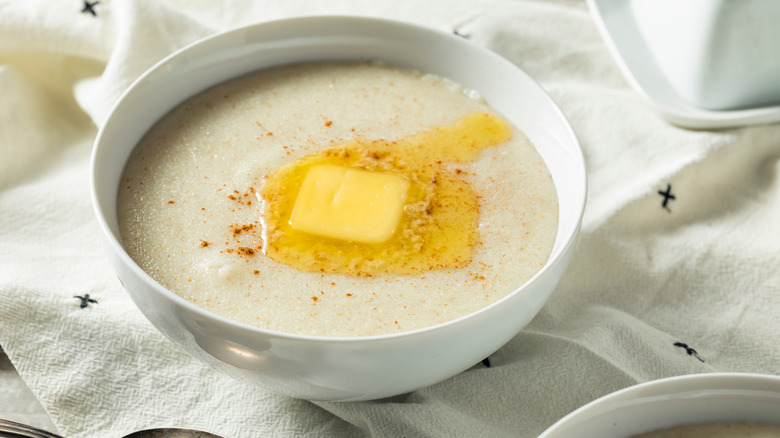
456 28
668 196
462 35
89 8
689 350
85 300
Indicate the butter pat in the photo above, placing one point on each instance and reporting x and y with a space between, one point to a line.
350 204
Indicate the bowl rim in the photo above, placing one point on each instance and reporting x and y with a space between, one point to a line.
568 239
665 386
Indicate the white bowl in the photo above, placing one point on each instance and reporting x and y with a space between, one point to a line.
717 54
323 368
617 22
660 404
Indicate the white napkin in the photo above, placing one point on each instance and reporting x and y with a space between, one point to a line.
654 289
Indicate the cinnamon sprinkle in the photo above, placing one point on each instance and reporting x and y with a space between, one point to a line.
244 250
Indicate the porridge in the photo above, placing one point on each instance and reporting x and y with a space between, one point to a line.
717 430
337 199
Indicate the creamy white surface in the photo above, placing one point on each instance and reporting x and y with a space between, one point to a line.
219 141
730 429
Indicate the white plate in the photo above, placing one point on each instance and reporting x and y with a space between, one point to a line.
616 23
659 404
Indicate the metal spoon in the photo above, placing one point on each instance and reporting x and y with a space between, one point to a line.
12 429
172 433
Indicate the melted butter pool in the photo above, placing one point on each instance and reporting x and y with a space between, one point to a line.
438 224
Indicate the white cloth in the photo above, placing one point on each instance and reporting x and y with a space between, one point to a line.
703 272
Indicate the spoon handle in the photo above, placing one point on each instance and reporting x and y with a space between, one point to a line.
19 430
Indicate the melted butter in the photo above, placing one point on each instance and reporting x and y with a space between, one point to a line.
437 229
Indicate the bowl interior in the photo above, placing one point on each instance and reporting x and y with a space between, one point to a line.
243 50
